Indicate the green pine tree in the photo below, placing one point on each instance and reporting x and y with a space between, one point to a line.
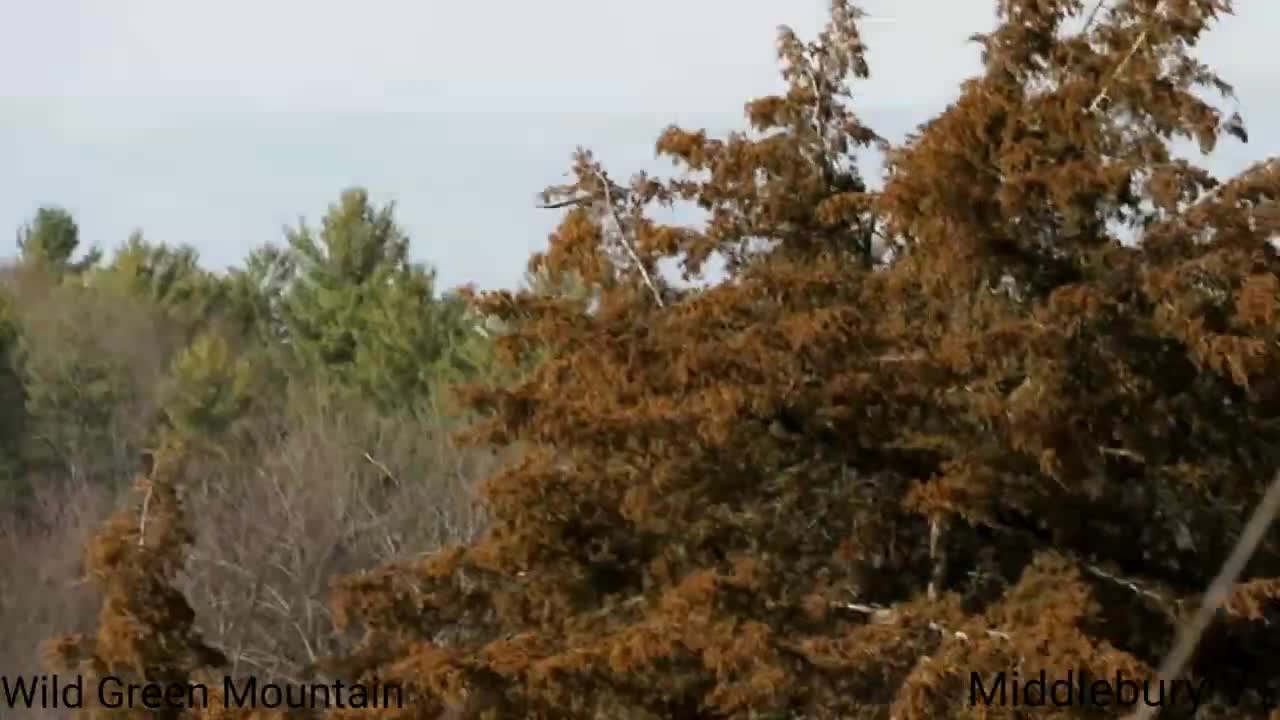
358 251
255 292
51 239
360 316
168 276
210 389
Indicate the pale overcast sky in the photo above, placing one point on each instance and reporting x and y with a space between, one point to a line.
217 123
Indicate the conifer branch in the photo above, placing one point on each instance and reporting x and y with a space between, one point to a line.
1218 591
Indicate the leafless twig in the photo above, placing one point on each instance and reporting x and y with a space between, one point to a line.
880 615
1102 94
1131 585
583 200
142 520
1124 453
386 472
1088 22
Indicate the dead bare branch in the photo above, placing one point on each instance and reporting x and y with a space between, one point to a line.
142 519
1102 93
626 241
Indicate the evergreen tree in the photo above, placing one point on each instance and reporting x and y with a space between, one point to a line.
12 401
358 252
51 239
360 315
92 364
147 633
93 354
843 480
255 293
210 390
415 345
167 277
543 281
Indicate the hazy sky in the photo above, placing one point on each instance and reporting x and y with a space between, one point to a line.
217 123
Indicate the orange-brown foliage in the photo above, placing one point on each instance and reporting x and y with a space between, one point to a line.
955 425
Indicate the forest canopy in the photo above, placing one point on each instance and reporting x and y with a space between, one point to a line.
1010 411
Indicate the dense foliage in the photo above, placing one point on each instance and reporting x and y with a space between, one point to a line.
1010 411
299 467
